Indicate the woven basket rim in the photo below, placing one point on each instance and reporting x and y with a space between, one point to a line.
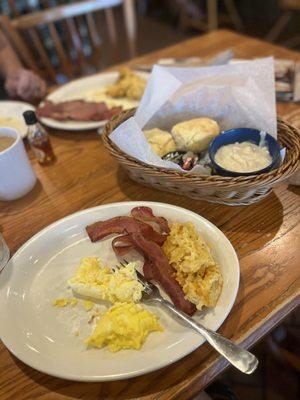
251 179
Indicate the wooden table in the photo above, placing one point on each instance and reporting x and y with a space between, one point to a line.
265 236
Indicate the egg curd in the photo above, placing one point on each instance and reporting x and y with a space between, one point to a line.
123 326
196 270
102 283
65 302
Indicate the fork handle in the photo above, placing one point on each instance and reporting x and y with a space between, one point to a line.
236 355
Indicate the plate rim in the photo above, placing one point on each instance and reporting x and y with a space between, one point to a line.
131 374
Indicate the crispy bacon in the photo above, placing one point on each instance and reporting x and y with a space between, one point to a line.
122 225
146 214
141 236
122 245
148 269
161 271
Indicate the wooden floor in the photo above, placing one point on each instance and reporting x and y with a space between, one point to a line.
272 380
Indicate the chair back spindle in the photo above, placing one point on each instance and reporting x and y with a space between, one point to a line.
66 39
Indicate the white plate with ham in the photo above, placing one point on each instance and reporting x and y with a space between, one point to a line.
31 279
83 103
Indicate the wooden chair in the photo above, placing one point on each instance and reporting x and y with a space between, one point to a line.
289 7
213 17
67 28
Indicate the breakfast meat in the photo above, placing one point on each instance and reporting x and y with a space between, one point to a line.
122 225
162 272
146 214
122 245
76 110
148 269
156 264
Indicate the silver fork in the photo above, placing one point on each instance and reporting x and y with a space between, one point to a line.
236 355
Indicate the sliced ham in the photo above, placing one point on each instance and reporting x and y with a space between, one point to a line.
76 110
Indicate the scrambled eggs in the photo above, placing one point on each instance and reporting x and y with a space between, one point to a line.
102 283
100 96
88 305
65 302
128 85
123 326
186 249
196 270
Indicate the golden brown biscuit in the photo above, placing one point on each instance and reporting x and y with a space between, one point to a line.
195 134
161 141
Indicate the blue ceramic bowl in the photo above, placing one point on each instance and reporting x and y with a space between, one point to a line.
243 135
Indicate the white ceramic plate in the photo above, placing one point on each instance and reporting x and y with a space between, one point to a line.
38 334
13 110
78 89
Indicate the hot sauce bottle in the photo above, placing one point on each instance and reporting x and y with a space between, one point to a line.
38 139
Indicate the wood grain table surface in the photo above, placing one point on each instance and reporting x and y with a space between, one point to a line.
266 237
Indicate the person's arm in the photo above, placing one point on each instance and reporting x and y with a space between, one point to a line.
9 62
19 82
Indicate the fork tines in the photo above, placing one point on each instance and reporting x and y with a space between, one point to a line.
140 276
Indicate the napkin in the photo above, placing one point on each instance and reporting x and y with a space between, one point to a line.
239 95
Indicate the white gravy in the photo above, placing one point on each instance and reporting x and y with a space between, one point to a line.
243 157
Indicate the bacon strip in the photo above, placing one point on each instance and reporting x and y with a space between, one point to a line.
161 271
122 225
122 245
146 214
148 270
142 237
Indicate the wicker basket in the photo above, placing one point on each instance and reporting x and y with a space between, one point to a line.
214 188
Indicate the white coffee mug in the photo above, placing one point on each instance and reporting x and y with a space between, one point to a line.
16 174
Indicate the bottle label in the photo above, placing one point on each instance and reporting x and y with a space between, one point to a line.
40 154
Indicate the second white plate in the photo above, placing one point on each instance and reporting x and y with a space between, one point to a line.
78 89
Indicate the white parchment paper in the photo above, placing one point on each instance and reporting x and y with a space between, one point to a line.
239 95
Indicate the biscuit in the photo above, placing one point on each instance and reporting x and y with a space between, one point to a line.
160 141
195 134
